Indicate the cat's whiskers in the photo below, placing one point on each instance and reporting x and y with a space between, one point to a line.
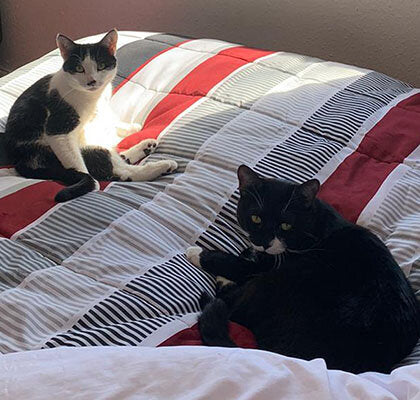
301 251
261 203
290 200
310 235
282 257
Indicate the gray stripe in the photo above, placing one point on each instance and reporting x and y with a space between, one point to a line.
134 54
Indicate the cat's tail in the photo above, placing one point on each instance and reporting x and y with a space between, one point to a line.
85 185
213 323
79 182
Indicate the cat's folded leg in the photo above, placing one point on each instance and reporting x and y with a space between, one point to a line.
67 150
139 151
125 129
229 266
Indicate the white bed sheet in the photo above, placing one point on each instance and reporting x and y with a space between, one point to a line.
189 373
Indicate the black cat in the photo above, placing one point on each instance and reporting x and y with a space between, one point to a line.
338 293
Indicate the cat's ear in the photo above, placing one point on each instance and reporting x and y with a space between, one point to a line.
308 191
65 45
247 177
110 41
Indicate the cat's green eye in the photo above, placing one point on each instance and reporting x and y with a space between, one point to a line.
285 226
101 66
256 219
79 69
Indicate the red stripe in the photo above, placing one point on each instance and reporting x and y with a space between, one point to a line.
143 65
192 88
242 336
21 208
353 184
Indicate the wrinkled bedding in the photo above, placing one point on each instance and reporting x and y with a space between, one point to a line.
190 373
109 268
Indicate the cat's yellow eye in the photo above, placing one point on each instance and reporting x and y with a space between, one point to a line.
101 66
79 68
285 226
256 219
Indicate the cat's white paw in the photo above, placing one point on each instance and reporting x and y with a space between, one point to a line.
149 171
126 129
193 255
97 186
222 282
164 167
136 153
169 166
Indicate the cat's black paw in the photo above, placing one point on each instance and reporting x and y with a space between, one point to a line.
249 254
204 299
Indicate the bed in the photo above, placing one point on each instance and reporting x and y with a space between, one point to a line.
108 269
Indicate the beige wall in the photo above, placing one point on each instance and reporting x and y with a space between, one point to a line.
378 34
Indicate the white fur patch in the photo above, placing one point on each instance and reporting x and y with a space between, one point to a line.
125 129
222 281
193 255
258 248
276 247
66 148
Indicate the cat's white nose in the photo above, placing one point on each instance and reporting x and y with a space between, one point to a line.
91 83
277 246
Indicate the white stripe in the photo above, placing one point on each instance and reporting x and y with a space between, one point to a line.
170 329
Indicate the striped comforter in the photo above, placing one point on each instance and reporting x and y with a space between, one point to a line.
109 268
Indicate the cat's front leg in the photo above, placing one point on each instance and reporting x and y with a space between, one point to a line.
229 266
125 129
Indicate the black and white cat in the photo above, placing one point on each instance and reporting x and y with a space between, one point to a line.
338 293
47 128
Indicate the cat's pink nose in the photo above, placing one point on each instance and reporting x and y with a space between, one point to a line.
91 83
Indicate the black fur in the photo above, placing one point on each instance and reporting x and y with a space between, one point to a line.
62 118
79 182
215 315
338 294
96 51
98 162
85 185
